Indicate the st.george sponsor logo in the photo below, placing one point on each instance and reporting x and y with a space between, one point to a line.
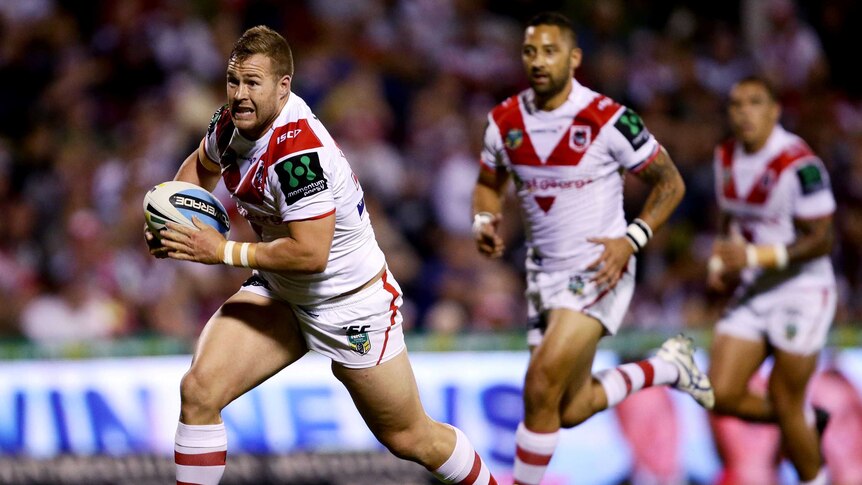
554 184
198 205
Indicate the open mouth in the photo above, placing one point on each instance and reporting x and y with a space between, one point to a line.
243 112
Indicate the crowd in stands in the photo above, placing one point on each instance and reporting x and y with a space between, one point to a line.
102 100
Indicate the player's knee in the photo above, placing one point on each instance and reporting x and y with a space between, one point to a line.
408 444
726 398
197 396
541 388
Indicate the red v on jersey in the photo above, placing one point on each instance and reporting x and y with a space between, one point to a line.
573 143
763 186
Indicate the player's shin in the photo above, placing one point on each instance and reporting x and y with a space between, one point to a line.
464 466
533 452
200 452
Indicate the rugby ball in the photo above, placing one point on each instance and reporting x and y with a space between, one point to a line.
177 202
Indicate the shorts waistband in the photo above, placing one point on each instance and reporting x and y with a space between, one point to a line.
350 298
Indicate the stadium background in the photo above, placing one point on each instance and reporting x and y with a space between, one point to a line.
101 100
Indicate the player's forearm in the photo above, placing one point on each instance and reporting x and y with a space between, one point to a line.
814 239
667 191
284 254
195 172
486 199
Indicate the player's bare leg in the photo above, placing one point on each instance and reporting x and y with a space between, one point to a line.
733 362
388 399
249 339
560 372
787 385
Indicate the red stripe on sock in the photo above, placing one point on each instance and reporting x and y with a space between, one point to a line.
627 380
471 477
216 458
186 483
492 480
649 372
531 458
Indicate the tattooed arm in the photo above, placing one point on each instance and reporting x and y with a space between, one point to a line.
667 189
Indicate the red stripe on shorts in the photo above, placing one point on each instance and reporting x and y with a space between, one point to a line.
216 458
394 308
471 477
649 372
531 458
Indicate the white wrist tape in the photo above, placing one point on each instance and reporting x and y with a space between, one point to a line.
227 257
480 220
781 256
243 254
715 264
638 234
751 256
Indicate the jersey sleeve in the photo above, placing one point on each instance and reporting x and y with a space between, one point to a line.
493 150
629 141
218 124
303 186
813 192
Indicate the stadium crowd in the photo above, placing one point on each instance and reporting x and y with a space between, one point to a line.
102 100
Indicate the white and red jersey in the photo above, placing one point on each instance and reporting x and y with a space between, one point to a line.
566 165
764 192
296 172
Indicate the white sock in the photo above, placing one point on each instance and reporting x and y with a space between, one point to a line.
533 452
626 379
822 478
464 466
200 452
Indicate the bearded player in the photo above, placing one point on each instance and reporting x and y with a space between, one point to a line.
566 148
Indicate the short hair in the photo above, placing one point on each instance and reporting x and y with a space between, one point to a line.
557 19
264 40
763 82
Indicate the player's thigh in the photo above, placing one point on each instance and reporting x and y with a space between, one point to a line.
565 356
385 395
733 360
250 338
790 375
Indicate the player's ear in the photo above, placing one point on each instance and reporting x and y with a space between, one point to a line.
577 56
283 86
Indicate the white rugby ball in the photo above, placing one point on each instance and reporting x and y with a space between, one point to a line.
176 201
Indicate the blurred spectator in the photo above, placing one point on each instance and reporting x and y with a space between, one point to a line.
104 99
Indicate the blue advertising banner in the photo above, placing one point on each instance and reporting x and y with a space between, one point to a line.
130 406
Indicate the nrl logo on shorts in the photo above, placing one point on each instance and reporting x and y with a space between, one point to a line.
576 284
580 137
514 138
357 337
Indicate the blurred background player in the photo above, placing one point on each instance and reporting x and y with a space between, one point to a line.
320 280
565 146
776 227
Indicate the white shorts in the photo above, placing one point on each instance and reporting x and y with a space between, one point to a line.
795 321
357 331
575 290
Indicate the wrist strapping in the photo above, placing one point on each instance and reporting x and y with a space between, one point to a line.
480 220
242 254
766 256
638 234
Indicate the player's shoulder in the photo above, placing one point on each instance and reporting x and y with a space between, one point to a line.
508 108
221 127
295 130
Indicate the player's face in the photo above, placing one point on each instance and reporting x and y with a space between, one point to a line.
752 112
254 94
549 59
